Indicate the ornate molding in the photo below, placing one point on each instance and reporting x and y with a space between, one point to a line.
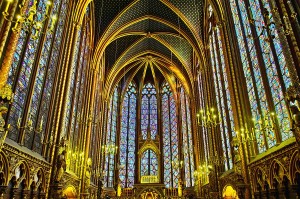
276 166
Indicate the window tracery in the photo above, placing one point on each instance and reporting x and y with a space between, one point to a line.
170 137
128 135
149 111
187 147
263 65
223 98
32 75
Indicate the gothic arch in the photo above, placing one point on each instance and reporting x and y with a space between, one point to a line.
20 173
277 173
259 178
294 170
4 169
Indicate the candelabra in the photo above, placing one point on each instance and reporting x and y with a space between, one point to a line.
266 124
75 160
49 142
208 118
177 164
202 172
29 124
110 148
246 134
26 22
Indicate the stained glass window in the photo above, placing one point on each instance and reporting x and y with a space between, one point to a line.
32 74
110 139
202 106
273 65
170 137
149 163
73 119
222 93
94 139
127 138
187 139
149 111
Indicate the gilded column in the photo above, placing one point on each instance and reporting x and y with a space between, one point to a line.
5 24
242 155
87 163
5 89
56 187
8 56
293 92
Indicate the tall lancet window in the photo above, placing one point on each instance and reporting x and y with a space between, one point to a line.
265 70
110 140
149 163
127 138
170 137
75 101
187 139
149 111
221 89
32 74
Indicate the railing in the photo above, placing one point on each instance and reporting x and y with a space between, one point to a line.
149 179
127 192
171 192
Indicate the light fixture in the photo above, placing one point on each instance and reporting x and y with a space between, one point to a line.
246 134
202 172
109 148
177 164
266 124
50 142
208 118
29 124
27 22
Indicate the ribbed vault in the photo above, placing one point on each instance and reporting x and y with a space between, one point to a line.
131 33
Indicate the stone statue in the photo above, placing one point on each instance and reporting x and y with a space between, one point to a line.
295 112
293 99
60 166
3 131
3 110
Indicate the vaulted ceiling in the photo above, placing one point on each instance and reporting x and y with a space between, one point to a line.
139 36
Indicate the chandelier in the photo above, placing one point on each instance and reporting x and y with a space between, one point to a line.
109 148
202 172
177 164
29 20
208 118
